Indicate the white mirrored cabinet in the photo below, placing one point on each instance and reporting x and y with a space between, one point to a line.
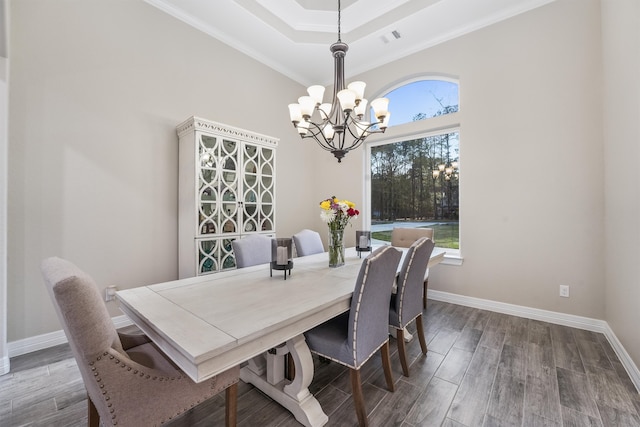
226 190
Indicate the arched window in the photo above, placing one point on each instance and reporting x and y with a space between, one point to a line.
414 175
422 99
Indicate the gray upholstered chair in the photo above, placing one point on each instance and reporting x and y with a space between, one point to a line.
129 381
252 250
405 304
308 242
351 338
403 238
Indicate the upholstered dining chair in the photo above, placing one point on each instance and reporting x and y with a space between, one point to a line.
405 304
129 381
308 242
252 250
403 238
353 337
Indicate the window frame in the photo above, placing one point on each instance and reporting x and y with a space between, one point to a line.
430 126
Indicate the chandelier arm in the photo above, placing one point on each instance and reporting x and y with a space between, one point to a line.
319 137
357 140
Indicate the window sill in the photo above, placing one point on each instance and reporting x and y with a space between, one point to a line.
452 257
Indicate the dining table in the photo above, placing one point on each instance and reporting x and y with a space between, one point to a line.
208 324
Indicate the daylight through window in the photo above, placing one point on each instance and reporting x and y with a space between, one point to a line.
415 181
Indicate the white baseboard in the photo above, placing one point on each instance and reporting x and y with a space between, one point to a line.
624 357
40 342
571 320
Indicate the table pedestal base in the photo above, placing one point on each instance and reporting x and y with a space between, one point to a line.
266 373
407 335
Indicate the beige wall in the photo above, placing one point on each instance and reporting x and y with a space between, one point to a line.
532 203
97 89
621 60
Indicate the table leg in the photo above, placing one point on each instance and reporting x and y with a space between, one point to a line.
293 395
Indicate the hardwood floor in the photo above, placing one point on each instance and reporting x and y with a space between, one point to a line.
482 369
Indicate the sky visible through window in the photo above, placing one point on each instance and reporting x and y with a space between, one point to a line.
423 96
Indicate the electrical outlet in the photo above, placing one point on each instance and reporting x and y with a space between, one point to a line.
564 291
110 293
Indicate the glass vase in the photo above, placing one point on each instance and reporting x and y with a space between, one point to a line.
336 248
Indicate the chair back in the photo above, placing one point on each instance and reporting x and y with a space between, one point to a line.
403 237
83 314
252 250
408 300
308 242
369 314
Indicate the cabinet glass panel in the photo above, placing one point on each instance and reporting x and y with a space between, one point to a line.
229 153
266 197
208 256
208 218
267 154
226 254
266 170
250 181
208 142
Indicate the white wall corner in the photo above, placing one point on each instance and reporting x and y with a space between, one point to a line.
624 357
40 342
4 365
570 320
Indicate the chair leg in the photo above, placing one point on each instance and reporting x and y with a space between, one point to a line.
424 294
231 405
420 328
402 352
386 366
94 417
358 398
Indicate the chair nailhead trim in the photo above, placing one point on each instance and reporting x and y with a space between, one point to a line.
136 372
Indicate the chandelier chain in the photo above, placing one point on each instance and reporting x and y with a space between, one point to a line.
339 39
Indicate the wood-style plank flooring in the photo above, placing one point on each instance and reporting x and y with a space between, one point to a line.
482 369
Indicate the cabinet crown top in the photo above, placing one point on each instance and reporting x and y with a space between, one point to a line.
193 124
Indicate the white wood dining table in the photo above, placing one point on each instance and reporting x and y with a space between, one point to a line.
211 323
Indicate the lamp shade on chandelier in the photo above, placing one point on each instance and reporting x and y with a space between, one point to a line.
340 125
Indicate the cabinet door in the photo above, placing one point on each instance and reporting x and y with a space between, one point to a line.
251 189
217 186
266 186
258 189
229 178
208 181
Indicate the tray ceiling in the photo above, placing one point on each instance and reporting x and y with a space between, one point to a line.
293 36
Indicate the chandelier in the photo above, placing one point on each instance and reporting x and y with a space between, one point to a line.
447 171
338 126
